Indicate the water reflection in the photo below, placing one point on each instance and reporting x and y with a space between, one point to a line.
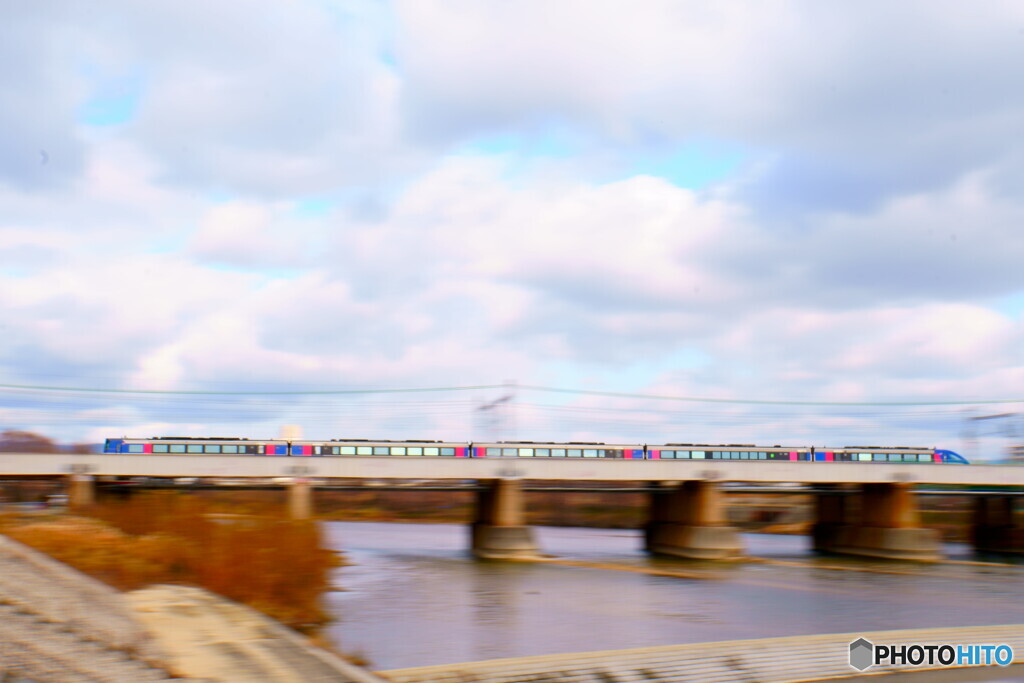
415 597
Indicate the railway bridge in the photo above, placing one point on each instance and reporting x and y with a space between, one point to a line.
878 518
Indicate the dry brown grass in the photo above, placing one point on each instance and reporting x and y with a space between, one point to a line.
277 566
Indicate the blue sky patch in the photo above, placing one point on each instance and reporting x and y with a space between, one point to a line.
1011 305
551 143
692 165
113 102
313 208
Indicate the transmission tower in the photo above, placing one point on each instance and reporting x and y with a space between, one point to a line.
500 415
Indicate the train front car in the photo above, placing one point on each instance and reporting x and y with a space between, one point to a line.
689 451
506 449
946 456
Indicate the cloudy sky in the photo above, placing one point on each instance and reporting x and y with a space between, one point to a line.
761 201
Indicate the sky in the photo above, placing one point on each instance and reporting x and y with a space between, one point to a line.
787 201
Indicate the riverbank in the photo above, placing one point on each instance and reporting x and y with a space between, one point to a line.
277 566
57 624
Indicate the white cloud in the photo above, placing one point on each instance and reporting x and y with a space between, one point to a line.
855 256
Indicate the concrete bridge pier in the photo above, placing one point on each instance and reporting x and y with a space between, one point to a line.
832 512
887 526
499 530
300 499
81 490
994 529
689 521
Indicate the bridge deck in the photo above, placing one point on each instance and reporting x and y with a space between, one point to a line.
576 469
801 658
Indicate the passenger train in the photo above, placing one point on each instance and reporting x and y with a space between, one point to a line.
170 445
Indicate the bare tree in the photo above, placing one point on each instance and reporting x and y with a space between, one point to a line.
17 441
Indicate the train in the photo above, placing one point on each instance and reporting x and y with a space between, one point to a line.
174 445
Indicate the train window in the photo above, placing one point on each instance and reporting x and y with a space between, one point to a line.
447 451
574 452
177 448
557 452
381 450
135 448
589 452
229 448
397 450
877 457
895 457
431 450
924 457
364 450
194 448
716 455
526 452
699 455
348 450
159 448
510 451
744 455
864 457
491 452
668 454
415 450
761 455
543 452
682 454
211 449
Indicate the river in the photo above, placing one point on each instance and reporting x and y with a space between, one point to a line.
413 596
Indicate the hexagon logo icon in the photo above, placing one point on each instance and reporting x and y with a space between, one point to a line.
862 654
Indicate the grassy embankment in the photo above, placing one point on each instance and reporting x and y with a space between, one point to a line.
275 565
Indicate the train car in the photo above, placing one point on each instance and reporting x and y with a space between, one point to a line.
689 451
889 454
185 445
519 449
361 447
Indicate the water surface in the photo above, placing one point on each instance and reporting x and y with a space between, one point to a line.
415 597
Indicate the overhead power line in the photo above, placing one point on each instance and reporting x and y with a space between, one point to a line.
527 387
